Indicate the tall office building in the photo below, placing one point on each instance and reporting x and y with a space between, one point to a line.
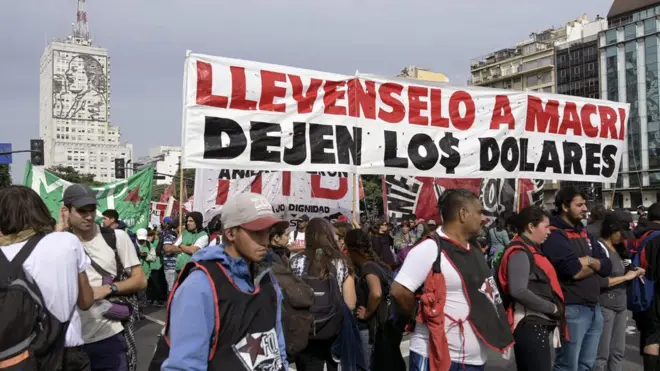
74 107
629 73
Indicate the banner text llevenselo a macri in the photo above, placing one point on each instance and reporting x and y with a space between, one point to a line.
256 116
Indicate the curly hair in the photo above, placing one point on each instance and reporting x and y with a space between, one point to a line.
359 243
321 248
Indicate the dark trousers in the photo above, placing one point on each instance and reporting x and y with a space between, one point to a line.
315 356
157 287
75 359
108 354
533 347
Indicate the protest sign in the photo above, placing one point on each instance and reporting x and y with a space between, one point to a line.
256 116
405 196
290 194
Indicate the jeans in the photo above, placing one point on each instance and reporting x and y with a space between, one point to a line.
420 363
108 354
585 325
367 348
612 345
170 277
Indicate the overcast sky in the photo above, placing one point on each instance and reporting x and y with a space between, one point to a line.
147 41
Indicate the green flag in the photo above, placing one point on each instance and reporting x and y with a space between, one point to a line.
130 197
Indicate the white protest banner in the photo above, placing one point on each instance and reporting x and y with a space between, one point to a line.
291 194
256 116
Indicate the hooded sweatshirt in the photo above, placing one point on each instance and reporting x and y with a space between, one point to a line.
192 312
564 256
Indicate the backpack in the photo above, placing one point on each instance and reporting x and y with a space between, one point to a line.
640 294
385 308
298 298
327 309
32 338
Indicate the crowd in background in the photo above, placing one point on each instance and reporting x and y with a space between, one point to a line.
249 290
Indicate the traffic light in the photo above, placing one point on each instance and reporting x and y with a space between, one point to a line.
37 152
120 172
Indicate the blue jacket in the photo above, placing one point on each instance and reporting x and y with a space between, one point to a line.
348 345
192 313
565 261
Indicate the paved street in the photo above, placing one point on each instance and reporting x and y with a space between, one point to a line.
148 329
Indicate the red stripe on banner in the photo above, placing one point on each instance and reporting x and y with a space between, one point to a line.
205 86
223 192
329 194
286 183
255 187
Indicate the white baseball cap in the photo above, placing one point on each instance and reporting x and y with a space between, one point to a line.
250 211
141 234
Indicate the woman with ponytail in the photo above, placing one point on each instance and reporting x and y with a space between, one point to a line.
531 293
322 259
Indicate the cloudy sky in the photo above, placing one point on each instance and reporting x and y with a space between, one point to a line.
147 41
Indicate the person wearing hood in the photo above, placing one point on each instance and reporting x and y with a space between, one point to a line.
578 259
648 323
223 317
192 239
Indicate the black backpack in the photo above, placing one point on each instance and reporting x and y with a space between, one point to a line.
32 338
385 308
328 307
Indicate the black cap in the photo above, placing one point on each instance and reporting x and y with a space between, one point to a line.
79 195
304 218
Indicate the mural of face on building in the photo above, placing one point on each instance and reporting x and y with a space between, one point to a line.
81 91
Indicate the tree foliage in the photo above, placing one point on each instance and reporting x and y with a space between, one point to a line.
5 176
70 174
188 180
373 194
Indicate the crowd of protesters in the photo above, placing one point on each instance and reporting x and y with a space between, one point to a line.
250 291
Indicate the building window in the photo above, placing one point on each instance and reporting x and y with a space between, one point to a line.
630 32
562 73
610 37
650 26
591 66
612 74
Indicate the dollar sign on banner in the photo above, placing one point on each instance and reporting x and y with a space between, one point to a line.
450 157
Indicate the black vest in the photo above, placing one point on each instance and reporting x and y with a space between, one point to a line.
246 337
585 291
487 315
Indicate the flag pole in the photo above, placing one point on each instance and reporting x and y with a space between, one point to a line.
180 195
355 190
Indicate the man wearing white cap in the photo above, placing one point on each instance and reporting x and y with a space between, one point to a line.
219 319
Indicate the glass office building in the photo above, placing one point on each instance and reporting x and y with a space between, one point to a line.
629 73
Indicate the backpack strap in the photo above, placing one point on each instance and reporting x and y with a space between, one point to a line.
110 238
17 263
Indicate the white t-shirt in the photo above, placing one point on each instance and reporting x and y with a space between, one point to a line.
412 275
95 327
201 242
298 262
55 264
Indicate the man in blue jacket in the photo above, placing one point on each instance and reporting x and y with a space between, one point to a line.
578 260
219 319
